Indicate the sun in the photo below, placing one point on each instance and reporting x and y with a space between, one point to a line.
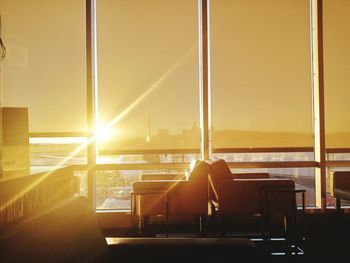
103 133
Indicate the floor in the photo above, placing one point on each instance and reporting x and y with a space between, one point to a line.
324 238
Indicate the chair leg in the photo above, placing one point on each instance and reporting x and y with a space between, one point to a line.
337 204
265 226
223 226
202 221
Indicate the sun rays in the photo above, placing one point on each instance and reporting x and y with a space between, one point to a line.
105 129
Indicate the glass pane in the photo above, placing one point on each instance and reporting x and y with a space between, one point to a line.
147 158
148 74
113 187
52 153
261 81
330 200
336 67
304 178
44 68
268 157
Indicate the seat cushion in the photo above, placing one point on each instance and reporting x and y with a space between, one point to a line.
219 170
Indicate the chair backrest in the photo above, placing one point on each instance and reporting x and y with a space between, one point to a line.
244 196
199 172
219 171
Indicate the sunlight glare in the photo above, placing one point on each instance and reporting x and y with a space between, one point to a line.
103 133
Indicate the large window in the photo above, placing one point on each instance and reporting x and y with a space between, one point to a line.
337 78
337 81
45 71
44 68
147 77
261 82
148 87
148 73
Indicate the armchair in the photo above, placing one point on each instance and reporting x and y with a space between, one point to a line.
181 200
242 194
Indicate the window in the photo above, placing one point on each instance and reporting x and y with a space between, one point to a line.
148 87
44 68
45 71
336 67
261 82
337 80
261 85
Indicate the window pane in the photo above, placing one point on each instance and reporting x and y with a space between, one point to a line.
337 68
52 153
329 198
304 177
44 69
113 187
261 82
148 74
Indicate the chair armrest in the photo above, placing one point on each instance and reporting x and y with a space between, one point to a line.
157 177
154 186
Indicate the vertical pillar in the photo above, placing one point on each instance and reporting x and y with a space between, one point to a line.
204 76
2 57
90 95
318 101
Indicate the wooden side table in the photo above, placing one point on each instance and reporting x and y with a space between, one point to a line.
290 213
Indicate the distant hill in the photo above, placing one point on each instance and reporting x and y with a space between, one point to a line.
190 139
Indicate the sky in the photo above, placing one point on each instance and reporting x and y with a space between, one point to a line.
260 64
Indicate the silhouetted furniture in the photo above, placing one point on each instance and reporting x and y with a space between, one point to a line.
65 232
172 200
340 187
282 202
24 195
15 142
288 207
190 250
234 197
69 233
